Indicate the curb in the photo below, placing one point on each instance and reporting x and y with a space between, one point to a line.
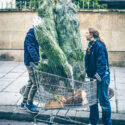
14 113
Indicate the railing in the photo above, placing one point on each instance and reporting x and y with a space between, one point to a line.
19 5
7 5
89 4
83 4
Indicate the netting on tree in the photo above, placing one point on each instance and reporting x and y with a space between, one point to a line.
57 32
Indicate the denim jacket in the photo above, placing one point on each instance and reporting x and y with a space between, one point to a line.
96 61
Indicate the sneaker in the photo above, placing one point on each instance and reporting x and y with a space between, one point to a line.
23 105
32 108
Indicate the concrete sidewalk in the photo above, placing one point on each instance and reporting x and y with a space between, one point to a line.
13 76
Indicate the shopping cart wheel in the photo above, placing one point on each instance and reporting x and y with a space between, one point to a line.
111 93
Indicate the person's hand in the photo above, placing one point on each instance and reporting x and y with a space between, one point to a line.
98 77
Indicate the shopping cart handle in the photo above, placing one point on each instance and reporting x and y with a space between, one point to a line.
90 79
32 64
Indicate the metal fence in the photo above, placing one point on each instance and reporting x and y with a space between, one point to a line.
7 5
84 4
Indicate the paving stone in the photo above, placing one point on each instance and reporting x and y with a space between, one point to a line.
12 75
25 74
17 85
19 69
121 106
20 100
120 80
5 69
3 79
4 84
121 95
7 66
111 78
120 75
7 98
120 86
2 74
113 106
112 85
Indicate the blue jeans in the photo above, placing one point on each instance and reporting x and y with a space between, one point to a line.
102 93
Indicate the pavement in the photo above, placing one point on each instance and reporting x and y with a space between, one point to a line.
13 76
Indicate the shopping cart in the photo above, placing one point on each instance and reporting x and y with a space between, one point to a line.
56 93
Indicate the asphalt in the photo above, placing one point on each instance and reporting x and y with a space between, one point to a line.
13 77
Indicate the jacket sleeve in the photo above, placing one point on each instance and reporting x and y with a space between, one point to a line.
101 63
29 41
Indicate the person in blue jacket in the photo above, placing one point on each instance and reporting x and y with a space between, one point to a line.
97 66
31 54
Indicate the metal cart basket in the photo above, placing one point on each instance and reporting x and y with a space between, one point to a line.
56 93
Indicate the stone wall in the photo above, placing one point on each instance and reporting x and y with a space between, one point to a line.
13 28
111 25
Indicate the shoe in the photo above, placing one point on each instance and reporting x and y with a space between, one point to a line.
23 105
32 108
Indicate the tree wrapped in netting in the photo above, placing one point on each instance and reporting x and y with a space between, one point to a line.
57 32
67 24
53 58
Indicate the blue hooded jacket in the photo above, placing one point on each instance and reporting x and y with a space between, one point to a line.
96 62
31 48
